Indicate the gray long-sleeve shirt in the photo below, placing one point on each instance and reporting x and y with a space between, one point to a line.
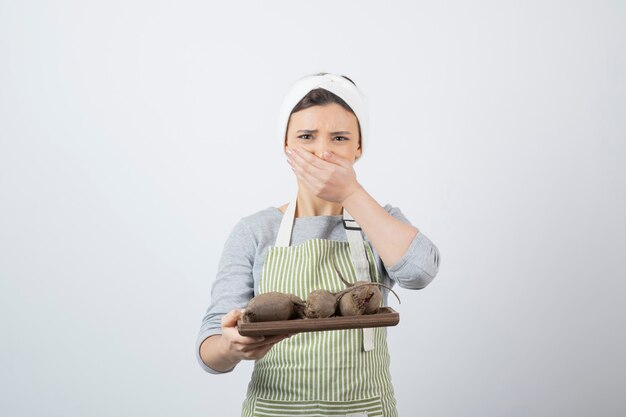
241 265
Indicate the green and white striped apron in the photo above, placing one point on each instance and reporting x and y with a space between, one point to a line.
328 373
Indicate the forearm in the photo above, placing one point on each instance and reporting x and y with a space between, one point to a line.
214 355
389 236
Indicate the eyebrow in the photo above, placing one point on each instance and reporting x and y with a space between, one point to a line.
341 132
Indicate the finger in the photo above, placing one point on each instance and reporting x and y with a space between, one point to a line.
303 157
237 339
270 340
336 159
257 353
229 328
299 168
261 350
309 181
313 174
277 338
230 319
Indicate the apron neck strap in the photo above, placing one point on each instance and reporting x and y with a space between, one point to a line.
353 233
286 225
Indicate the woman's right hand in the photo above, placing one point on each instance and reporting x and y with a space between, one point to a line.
222 352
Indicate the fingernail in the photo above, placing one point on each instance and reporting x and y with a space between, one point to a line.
288 151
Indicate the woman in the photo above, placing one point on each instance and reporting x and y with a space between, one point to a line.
292 249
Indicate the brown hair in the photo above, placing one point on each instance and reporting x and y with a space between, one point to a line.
322 97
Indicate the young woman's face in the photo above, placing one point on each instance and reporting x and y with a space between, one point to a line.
325 128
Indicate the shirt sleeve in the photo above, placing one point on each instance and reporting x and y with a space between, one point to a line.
419 264
233 286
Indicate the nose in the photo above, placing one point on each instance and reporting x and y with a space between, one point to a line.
321 147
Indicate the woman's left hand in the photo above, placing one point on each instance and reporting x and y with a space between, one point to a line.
330 178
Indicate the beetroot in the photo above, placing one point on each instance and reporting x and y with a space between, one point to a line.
320 304
271 306
361 297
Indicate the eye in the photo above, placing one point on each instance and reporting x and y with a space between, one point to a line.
341 138
303 137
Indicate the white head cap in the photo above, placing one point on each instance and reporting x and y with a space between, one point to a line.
337 85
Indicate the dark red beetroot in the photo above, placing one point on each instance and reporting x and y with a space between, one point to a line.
357 300
354 300
320 304
361 297
272 306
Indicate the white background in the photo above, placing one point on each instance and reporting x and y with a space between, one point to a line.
134 135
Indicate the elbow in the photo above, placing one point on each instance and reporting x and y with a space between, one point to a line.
418 267
422 274
201 362
200 347
210 370
416 281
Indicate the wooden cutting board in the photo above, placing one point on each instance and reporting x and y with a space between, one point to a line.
386 316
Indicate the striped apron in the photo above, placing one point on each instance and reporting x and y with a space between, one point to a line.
328 373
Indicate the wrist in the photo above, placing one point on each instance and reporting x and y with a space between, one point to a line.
228 356
355 195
